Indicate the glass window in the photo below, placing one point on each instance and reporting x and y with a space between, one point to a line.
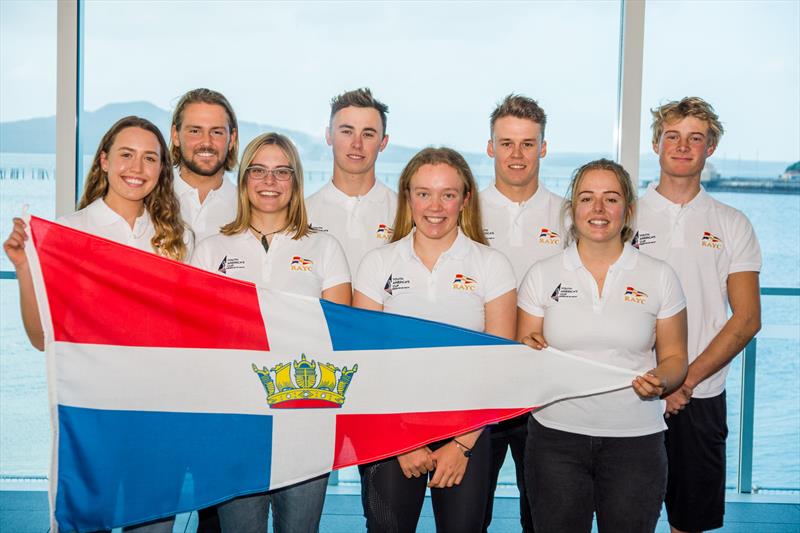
744 58
27 176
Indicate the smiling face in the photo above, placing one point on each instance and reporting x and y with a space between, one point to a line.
132 164
270 195
204 138
436 197
599 211
683 148
356 136
516 146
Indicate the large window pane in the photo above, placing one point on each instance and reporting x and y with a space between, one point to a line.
27 164
744 58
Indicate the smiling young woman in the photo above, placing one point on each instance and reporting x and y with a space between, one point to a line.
603 300
439 268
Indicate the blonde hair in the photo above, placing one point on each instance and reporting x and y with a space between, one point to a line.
297 217
691 106
211 97
625 183
161 203
469 219
516 105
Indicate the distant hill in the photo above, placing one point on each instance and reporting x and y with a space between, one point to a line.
38 135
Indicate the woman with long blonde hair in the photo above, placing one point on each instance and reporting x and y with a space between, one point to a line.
437 267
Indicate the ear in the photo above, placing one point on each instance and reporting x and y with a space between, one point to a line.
328 136
173 135
104 161
384 142
710 150
490 148
543 151
234 136
655 147
466 200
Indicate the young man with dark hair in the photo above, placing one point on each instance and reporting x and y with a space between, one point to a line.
354 207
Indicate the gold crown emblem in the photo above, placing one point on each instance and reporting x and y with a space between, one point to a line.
314 386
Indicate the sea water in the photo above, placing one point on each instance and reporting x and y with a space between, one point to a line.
24 418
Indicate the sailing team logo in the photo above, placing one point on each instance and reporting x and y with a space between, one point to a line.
300 264
230 263
464 283
547 236
384 232
635 296
709 240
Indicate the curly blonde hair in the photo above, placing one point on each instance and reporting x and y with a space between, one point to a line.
161 203
691 106
469 219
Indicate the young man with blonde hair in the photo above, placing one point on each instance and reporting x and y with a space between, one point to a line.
716 254
204 145
354 207
521 218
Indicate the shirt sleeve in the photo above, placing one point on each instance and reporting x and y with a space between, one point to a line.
673 300
370 279
337 271
500 276
528 295
745 249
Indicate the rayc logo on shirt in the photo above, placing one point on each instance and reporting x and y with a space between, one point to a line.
643 238
563 291
230 263
548 237
384 232
632 295
710 240
396 283
299 264
464 283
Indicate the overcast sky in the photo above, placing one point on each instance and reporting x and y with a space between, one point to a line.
440 66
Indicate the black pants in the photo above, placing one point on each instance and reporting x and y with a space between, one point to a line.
393 502
572 476
509 433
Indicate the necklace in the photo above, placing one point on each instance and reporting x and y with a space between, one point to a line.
264 236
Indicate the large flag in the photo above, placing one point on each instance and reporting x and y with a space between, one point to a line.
172 388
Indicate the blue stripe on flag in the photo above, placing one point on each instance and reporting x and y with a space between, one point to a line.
160 463
358 329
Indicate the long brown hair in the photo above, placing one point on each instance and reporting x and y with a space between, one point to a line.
161 203
469 219
296 217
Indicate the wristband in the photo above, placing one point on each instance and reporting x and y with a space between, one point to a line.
467 451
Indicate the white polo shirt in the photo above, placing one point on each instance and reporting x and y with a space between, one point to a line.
207 218
616 328
360 223
463 280
526 232
704 241
99 219
305 266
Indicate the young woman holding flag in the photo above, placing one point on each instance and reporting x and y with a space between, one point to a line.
437 267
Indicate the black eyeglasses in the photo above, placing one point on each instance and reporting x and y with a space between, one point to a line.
259 173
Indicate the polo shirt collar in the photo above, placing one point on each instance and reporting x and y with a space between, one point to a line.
181 187
335 195
493 195
458 250
100 214
658 202
626 261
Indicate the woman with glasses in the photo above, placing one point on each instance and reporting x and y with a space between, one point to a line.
439 268
270 244
601 299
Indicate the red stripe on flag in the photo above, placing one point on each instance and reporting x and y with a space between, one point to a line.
371 437
102 292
